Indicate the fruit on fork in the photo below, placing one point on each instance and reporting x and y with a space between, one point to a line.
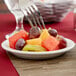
34 32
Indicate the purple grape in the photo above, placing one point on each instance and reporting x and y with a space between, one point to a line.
34 32
53 32
62 43
20 44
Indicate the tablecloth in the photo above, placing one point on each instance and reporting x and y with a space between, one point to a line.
8 24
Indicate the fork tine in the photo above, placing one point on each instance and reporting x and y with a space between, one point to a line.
26 15
41 19
29 11
38 22
36 17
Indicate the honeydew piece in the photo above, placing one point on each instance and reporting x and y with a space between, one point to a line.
33 48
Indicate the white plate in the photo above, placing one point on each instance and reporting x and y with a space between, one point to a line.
38 55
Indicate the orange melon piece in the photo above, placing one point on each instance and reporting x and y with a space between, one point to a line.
51 43
36 41
44 35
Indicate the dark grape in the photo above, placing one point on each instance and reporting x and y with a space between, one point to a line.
34 32
62 43
20 44
53 32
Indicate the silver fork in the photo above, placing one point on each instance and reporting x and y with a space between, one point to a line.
15 10
30 9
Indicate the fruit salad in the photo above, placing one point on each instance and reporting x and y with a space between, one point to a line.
37 40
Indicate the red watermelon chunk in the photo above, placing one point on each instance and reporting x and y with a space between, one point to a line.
51 43
13 39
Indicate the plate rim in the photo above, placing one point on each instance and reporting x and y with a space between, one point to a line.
39 53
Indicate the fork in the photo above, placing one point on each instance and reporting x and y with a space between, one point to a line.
30 10
15 10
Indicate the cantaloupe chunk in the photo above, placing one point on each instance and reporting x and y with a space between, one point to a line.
51 43
36 41
44 35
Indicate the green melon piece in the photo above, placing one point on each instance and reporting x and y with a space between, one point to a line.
33 48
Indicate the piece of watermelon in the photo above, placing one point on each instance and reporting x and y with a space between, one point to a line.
21 34
51 43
